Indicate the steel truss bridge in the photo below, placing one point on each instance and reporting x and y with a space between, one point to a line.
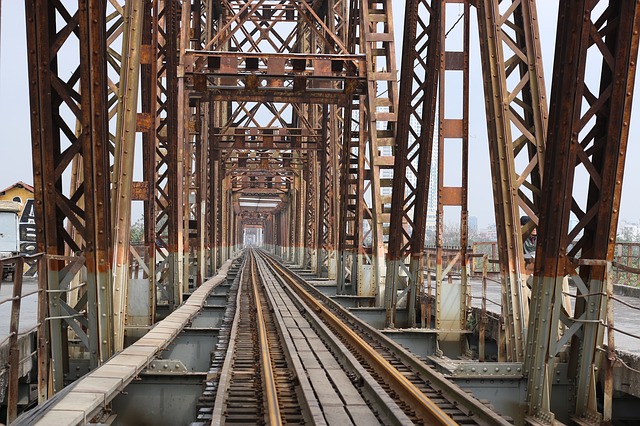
290 121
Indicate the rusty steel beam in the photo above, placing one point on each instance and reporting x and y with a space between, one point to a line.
332 135
313 199
301 69
452 298
59 100
191 177
223 226
247 75
183 157
292 220
517 124
593 80
300 220
421 51
268 138
351 184
211 209
146 124
122 176
197 177
328 192
380 108
169 151
352 204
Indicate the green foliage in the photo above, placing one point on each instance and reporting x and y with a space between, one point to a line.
137 232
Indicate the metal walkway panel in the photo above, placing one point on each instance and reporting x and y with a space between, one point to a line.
99 387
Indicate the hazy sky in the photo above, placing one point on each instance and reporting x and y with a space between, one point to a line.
15 145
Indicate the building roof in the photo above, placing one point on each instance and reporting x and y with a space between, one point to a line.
18 184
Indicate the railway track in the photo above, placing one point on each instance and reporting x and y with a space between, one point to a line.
425 395
255 383
294 357
285 354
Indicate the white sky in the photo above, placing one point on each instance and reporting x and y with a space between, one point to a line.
15 144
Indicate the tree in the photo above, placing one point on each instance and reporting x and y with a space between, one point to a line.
137 232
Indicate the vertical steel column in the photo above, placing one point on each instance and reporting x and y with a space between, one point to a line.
295 216
350 197
326 193
237 225
184 164
168 187
232 228
517 117
203 24
351 241
197 178
275 232
451 298
292 213
217 182
190 189
122 177
301 218
313 198
226 223
211 212
588 132
381 111
329 175
421 52
204 207
147 124
332 134
57 103
277 226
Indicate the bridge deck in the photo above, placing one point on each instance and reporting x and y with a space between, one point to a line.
99 387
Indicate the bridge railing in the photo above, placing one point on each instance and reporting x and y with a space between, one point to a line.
627 255
482 263
10 343
30 280
626 261
490 248
612 360
138 261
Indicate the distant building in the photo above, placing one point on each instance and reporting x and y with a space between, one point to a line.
473 225
22 193
628 231
488 234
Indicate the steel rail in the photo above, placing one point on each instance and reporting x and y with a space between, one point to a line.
424 407
227 366
482 413
387 410
269 385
